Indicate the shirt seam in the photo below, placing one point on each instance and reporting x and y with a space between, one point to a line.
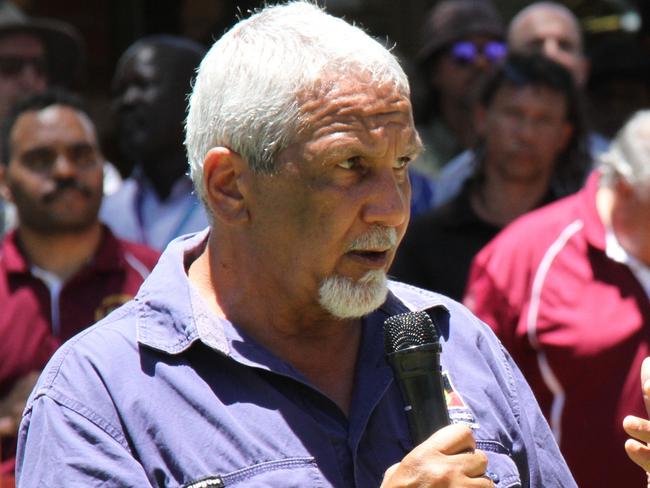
84 412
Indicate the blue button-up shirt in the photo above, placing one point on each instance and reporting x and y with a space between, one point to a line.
164 393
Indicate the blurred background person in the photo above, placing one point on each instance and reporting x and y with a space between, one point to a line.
461 41
530 125
156 203
567 288
34 53
60 269
552 30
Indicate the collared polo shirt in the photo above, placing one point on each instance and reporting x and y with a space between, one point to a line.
577 322
27 336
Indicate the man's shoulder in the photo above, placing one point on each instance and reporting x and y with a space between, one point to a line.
87 351
536 230
416 299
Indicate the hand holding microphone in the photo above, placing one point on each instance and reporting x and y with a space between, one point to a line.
445 455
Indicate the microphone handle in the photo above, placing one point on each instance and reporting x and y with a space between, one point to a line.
417 371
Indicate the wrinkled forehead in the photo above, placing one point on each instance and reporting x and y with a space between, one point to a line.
354 97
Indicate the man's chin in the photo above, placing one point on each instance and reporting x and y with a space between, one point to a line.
345 299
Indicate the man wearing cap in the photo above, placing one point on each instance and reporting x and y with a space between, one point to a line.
34 54
462 39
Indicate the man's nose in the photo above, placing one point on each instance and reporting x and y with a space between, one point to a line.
63 167
388 200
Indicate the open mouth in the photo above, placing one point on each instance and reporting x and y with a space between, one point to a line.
372 258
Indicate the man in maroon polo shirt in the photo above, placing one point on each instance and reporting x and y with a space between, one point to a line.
566 288
61 269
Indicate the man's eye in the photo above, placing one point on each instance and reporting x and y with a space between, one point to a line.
39 160
350 163
402 162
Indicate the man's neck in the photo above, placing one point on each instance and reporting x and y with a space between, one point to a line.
499 202
63 254
321 347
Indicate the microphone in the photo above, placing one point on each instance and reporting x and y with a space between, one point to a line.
413 351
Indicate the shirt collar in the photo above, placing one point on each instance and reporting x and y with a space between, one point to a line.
171 314
594 228
107 257
617 253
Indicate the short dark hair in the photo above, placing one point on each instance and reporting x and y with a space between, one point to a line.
36 102
534 69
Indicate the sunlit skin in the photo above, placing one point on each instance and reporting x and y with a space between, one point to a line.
626 209
49 147
278 236
524 130
638 428
554 32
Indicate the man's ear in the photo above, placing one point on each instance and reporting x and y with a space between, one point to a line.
223 170
5 193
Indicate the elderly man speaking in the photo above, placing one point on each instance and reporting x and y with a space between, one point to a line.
253 354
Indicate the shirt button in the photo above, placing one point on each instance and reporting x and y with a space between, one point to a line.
493 476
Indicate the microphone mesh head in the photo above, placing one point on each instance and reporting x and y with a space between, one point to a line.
407 330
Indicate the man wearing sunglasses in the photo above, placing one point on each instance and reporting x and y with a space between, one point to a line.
462 40
35 54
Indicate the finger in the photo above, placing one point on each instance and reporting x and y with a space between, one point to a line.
452 439
389 472
637 427
638 452
473 463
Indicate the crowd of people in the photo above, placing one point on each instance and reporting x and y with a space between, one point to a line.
285 196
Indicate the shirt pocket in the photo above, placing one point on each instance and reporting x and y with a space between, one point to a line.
501 469
291 472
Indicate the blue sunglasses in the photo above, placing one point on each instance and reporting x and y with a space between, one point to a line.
466 52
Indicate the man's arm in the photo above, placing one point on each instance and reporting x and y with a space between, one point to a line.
639 429
53 435
447 459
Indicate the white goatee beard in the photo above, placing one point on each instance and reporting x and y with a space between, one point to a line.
344 298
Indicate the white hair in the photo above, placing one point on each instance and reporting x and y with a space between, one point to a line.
628 156
246 92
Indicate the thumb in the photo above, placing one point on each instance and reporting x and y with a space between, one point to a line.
645 383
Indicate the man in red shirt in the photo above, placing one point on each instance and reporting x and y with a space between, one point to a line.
61 269
566 288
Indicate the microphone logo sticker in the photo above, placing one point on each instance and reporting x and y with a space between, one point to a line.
459 412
